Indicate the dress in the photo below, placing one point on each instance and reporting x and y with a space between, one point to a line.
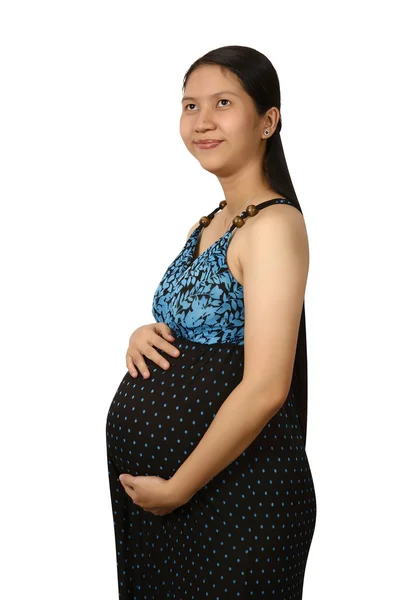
247 533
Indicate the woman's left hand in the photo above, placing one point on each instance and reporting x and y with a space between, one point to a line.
153 494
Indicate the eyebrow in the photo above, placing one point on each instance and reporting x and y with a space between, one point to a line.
212 95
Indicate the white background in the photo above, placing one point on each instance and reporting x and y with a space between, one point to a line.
98 193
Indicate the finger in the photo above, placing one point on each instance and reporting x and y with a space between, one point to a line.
161 512
128 490
155 511
169 339
156 358
164 330
123 484
139 362
130 366
131 493
127 479
127 485
158 342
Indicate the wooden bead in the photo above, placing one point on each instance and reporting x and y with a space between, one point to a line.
238 221
252 210
205 221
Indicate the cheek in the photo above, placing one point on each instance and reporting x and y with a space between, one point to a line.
240 128
187 135
184 130
232 128
244 137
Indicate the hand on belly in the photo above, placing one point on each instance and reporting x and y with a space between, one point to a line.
153 494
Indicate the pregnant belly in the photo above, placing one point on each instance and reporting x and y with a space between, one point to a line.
154 424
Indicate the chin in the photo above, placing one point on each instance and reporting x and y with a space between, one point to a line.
215 169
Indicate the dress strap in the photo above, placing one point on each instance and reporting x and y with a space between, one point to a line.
250 211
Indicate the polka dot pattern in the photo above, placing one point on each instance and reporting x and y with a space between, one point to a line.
247 533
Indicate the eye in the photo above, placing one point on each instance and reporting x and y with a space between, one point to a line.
191 104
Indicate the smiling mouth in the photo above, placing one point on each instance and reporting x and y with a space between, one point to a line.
208 144
207 141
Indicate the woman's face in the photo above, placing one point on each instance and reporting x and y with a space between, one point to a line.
215 106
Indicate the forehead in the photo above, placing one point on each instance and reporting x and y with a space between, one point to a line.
209 80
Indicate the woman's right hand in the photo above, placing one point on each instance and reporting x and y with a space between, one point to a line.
143 342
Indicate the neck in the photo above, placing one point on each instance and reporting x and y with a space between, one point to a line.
240 190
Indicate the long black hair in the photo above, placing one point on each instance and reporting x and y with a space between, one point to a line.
259 79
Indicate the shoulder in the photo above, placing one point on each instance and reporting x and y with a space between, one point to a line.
192 229
276 222
279 212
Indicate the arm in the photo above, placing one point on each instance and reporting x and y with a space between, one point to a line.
237 423
275 269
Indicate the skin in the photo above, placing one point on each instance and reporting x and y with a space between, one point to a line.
230 116
270 255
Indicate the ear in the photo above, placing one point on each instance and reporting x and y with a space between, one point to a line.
270 120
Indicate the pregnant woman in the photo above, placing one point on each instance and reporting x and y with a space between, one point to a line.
211 489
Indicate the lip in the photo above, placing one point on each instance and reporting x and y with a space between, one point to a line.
205 144
208 141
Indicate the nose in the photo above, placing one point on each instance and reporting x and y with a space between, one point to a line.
205 126
204 121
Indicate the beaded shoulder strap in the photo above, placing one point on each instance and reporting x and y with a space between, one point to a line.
250 211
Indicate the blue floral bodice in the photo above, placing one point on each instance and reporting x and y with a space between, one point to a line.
199 298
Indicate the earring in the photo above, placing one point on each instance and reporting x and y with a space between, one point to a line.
266 132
